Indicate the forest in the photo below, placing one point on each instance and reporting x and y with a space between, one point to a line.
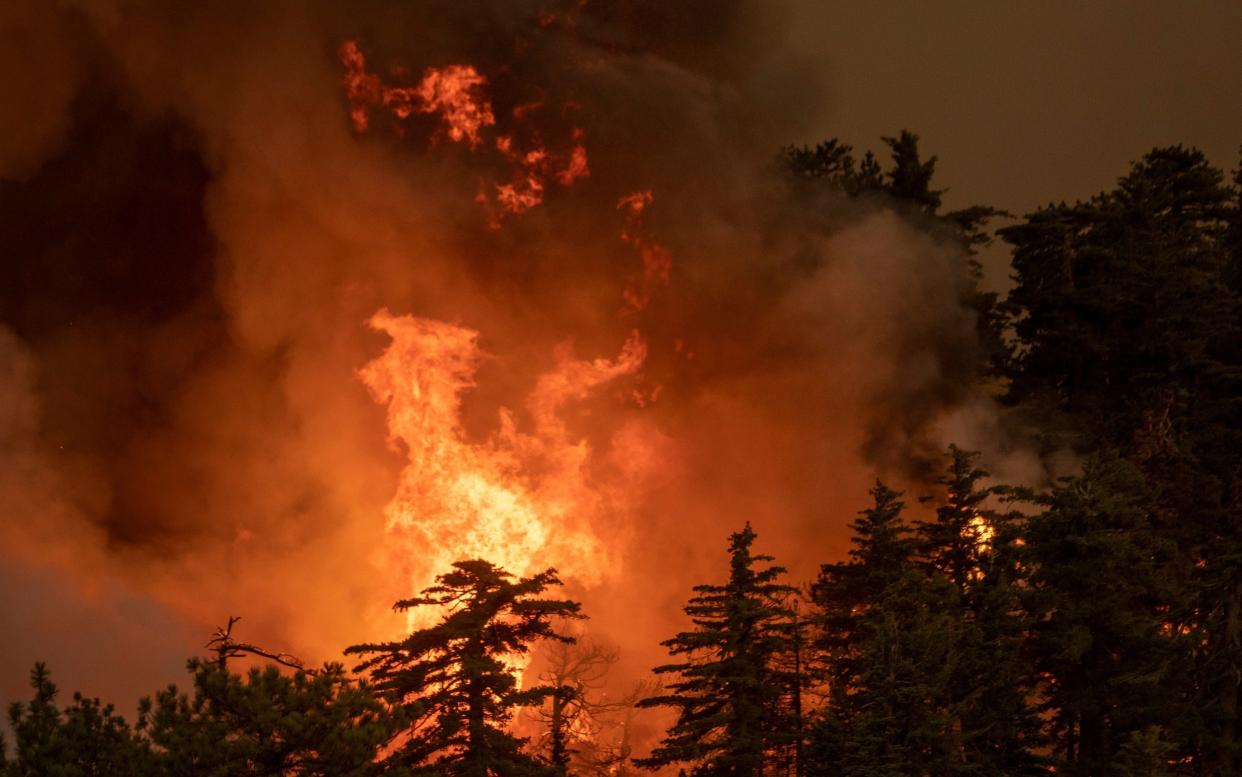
1088 627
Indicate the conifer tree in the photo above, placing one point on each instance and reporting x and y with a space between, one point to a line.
1128 316
888 642
800 676
452 679
952 544
311 723
1101 644
905 185
727 691
85 739
976 549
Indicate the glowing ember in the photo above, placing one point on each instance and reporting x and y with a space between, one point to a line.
577 166
361 88
657 261
456 93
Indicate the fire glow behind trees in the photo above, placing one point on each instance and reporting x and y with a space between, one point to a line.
305 304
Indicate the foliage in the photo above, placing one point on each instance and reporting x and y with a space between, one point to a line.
265 723
453 679
727 690
1090 627
1100 644
906 186
585 731
86 738
888 635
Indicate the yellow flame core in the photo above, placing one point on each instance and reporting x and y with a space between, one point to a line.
522 500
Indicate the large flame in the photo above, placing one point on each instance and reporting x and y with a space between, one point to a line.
524 500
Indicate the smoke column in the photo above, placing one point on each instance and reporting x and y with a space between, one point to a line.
223 294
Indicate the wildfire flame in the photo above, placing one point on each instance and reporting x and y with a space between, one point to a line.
523 500
457 94
657 261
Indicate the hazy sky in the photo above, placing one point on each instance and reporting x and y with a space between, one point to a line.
1029 102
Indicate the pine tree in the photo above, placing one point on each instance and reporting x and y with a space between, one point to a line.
727 691
954 542
452 678
910 178
84 740
1128 315
905 186
976 549
799 675
1101 644
1118 301
888 646
309 723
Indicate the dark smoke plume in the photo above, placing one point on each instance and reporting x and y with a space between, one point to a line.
194 237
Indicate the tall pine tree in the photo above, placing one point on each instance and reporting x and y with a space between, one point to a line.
728 691
976 549
1128 317
888 640
1102 646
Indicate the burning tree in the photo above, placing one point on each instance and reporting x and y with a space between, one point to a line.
729 691
585 731
456 680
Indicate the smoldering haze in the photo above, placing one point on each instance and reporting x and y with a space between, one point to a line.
194 239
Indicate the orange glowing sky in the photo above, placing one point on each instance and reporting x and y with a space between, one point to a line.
306 301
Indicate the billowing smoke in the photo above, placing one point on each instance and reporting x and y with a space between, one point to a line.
197 233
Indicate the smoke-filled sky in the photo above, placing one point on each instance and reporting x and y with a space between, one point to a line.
613 333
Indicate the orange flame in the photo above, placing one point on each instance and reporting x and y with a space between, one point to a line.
456 94
523 500
657 260
362 89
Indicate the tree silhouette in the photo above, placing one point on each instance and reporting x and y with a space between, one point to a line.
586 730
85 739
456 680
728 692
266 722
888 633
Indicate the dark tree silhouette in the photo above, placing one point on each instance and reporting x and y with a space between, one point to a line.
976 548
1100 644
586 729
266 723
453 679
728 690
888 633
85 739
